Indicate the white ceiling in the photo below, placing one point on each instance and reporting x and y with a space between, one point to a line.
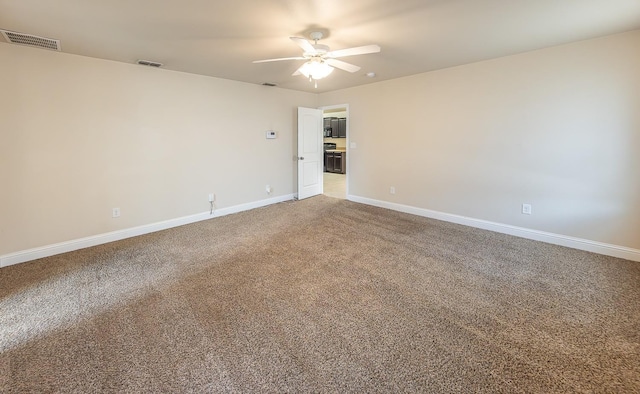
221 38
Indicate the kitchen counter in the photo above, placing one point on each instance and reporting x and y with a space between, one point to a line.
342 150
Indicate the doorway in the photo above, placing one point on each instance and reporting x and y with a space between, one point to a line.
336 157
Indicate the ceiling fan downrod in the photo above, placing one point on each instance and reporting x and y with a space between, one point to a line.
315 36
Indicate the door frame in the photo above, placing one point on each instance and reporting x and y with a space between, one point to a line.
347 143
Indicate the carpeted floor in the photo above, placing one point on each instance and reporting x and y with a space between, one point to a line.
321 295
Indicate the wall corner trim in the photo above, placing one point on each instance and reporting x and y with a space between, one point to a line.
81 243
556 239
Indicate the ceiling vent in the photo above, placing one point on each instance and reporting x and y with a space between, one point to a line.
31 40
149 63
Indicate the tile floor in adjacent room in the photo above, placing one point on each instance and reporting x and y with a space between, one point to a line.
335 185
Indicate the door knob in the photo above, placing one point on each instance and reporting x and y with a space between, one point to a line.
301 158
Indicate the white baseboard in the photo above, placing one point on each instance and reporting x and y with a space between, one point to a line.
557 239
563 240
68 246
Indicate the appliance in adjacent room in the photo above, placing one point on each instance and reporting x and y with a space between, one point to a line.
327 145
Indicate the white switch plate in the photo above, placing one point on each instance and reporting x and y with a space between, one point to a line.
271 134
526 209
392 190
115 213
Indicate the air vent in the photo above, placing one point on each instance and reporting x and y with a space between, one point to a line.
149 63
268 84
31 40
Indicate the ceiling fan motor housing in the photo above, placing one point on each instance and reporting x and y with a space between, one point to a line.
316 35
319 50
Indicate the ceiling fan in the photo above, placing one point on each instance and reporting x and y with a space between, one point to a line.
320 61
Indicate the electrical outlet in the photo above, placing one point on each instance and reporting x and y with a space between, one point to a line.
392 190
526 209
268 189
212 197
115 213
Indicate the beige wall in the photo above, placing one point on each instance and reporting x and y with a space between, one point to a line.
558 128
80 136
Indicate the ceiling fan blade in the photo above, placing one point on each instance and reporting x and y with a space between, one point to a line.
304 44
296 73
343 65
363 50
278 59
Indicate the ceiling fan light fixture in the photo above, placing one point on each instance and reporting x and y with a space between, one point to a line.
316 69
320 60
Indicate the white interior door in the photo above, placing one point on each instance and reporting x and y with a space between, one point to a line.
310 152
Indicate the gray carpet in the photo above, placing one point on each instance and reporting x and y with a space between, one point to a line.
321 295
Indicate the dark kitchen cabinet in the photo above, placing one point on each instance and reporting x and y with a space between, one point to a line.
339 127
329 158
336 162
335 127
327 127
342 127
